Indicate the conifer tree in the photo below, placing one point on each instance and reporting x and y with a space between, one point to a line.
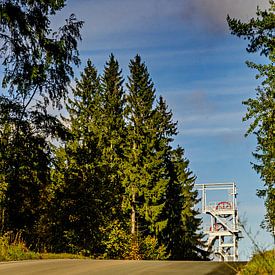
112 130
82 195
111 145
181 235
144 172
119 170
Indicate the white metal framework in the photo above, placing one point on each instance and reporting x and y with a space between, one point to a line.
224 230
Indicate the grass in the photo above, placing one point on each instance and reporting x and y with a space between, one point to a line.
61 256
261 263
14 251
17 250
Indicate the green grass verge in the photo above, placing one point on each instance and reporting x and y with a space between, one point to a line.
61 256
261 263
17 251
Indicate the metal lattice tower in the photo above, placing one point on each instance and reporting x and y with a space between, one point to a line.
224 230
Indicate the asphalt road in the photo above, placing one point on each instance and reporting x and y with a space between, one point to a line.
113 267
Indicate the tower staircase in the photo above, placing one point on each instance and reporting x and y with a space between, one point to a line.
224 230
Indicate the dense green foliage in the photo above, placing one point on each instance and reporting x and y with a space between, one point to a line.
112 186
13 248
36 60
180 235
121 191
261 263
261 110
144 179
37 70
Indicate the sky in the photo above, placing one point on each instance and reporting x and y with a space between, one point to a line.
199 68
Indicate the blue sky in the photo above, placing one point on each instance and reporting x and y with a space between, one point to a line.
199 69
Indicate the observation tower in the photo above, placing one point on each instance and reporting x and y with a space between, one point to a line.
223 231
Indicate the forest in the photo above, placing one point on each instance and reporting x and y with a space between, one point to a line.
103 180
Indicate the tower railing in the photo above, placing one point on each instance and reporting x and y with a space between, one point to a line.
224 230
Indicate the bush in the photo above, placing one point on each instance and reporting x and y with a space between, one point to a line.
13 248
261 263
117 243
150 250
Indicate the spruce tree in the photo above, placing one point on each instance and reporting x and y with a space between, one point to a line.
112 131
143 167
111 144
181 235
81 197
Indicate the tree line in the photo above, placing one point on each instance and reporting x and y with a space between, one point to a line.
111 185
122 190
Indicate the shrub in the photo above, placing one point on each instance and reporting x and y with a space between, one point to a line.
261 263
13 248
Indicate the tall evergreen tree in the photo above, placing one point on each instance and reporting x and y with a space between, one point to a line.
112 130
145 174
181 235
139 112
111 172
260 33
112 143
80 200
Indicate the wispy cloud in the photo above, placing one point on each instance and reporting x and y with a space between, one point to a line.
120 22
210 131
211 14
213 118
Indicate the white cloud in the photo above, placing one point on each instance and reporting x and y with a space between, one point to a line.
211 131
213 118
119 22
212 13
112 19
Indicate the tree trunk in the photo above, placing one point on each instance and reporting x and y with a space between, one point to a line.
133 216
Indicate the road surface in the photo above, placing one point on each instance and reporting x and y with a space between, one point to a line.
114 267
